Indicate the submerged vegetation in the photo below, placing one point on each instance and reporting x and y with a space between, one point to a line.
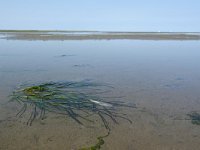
78 100
98 144
195 118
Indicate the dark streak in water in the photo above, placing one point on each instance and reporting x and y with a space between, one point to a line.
82 65
64 55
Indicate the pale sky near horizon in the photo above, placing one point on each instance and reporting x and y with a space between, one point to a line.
102 15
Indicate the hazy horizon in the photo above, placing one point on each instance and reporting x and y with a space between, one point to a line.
101 31
126 15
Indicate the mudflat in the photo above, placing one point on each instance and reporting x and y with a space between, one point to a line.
94 35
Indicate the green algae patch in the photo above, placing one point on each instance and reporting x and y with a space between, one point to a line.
80 101
195 118
98 144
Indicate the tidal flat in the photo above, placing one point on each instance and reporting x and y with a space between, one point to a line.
95 35
72 90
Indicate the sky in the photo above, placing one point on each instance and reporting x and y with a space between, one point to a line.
101 15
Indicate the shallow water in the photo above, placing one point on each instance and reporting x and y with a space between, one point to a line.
160 77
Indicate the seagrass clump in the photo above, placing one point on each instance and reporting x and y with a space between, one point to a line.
78 100
195 118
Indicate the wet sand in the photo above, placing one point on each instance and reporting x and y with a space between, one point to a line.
160 77
96 35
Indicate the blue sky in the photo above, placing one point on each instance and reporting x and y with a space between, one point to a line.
107 15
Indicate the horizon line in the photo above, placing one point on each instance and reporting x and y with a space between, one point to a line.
57 30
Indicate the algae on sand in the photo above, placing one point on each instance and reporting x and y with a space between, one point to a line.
78 100
74 99
98 144
195 118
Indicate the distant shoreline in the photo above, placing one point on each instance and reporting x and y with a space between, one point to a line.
91 31
47 35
